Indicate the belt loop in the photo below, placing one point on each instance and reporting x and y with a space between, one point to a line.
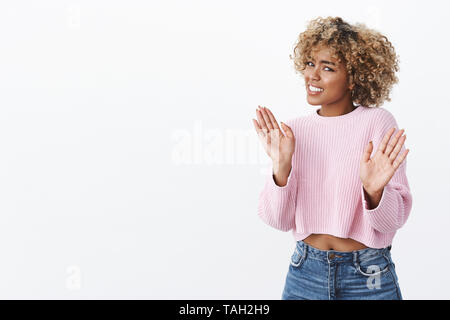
385 252
305 249
355 257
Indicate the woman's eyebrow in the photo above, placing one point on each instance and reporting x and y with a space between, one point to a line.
327 62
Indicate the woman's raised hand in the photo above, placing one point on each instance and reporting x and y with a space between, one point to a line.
278 146
376 172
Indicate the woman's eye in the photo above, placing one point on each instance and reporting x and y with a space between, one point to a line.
307 63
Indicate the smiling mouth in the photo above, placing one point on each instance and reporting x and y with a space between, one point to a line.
314 90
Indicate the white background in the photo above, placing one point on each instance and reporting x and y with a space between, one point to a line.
129 165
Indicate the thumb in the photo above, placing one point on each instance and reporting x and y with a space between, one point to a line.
367 152
287 130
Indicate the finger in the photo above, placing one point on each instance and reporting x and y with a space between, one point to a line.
272 118
393 142
397 149
400 159
261 121
261 134
257 126
266 118
287 130
385 140
367 152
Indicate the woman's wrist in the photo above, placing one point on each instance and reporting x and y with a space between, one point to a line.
281 174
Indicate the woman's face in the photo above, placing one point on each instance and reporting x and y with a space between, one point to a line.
326 73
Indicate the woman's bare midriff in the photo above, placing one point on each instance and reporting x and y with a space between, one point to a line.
329 242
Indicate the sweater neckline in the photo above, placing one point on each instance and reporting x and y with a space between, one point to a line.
348 115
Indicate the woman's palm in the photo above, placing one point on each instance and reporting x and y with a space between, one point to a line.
278 146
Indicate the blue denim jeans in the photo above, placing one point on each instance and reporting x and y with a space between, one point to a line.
336 275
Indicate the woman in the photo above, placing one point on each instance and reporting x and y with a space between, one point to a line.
339 174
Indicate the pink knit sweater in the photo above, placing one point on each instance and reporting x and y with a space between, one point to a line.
324 193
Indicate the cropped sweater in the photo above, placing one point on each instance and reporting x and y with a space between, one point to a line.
324 192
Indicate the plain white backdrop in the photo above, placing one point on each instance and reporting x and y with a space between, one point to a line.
129 165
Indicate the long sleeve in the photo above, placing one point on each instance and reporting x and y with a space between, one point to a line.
396 202
276 205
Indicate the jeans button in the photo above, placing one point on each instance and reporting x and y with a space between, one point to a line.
331 255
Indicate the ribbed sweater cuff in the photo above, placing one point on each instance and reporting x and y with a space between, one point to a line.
277 204
291 182
384 217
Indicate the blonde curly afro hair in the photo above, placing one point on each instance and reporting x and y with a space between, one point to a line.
369 57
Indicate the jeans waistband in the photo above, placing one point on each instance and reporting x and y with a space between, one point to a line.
340 256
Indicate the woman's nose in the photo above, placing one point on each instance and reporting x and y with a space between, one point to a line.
314 76
315 73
